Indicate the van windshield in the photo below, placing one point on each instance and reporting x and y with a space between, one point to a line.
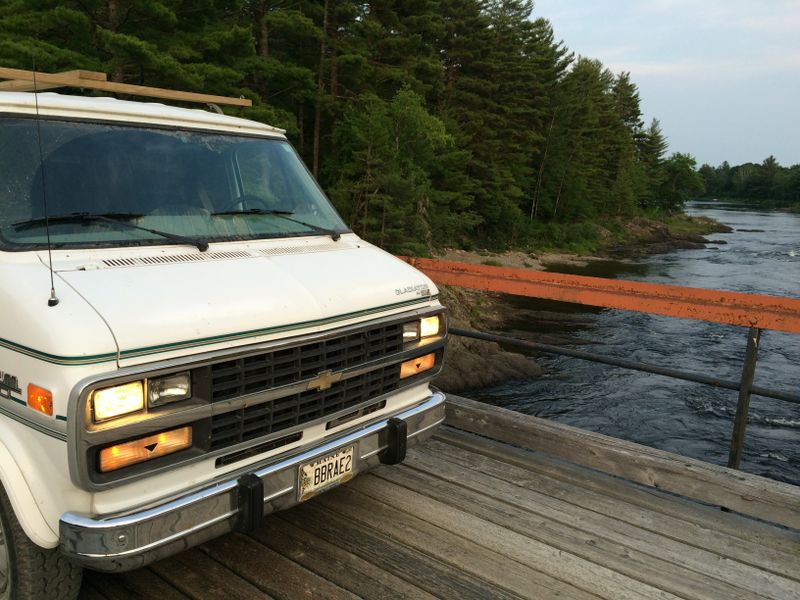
190 184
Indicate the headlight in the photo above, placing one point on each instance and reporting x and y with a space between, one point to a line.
429 326
116 401
171 388
421 329
411 331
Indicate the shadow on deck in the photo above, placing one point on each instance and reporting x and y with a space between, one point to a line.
470 517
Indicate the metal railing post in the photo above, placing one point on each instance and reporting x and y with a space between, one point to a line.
742 410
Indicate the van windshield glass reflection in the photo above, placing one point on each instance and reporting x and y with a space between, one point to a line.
190 184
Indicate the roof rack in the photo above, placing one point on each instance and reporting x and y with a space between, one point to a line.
20 80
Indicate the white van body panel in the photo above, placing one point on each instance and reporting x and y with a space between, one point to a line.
268 289
111 109
23 501
71 332
138 307
34 460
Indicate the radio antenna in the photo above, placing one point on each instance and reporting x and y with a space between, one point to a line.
53 299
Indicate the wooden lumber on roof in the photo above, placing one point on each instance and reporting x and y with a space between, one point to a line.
79 79
24 85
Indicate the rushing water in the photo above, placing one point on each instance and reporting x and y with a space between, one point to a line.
762 255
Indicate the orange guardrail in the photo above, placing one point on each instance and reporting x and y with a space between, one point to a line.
733 308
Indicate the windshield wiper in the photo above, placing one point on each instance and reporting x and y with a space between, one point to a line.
283 214
72 217
116 219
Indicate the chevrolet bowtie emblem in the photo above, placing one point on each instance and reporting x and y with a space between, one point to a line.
324 380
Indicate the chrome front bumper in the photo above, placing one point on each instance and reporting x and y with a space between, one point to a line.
132 540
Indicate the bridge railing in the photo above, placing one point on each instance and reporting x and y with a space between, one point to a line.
753 311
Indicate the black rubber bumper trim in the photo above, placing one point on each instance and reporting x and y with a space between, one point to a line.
397 434
251 503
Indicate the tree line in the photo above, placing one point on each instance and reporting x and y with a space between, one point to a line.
429 123
767 183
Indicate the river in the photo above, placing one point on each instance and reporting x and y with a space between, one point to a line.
762 255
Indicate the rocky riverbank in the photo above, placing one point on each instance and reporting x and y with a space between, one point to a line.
473 364
642 236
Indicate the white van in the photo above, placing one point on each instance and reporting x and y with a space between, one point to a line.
190 336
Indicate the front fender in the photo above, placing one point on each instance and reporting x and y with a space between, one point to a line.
22 501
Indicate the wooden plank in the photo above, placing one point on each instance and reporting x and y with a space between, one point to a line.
748 494
628 563
496 554
421 569
332 562
89 592
67 80
20 85
592 546
142 584
199 576
270 572
733 308
685 570
107 586
613 501
724 529
470 555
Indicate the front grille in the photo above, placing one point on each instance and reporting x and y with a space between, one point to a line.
265 371
270 417
233 457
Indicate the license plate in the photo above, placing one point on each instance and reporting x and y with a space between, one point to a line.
325 472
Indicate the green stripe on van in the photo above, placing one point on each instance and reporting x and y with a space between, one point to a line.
161 348
59 435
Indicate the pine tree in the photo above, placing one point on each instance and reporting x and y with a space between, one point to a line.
432 122
681 182
554 59
586 161
651 148
280 68
387 152
630 183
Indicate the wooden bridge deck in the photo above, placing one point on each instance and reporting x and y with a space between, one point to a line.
470 517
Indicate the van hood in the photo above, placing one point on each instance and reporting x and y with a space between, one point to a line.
171 303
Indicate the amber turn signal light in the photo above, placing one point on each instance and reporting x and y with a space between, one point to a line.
40 399
417 365
146 448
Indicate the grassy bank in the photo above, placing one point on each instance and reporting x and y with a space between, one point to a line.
645 234
473 364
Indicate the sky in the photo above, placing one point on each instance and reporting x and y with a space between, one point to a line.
722 76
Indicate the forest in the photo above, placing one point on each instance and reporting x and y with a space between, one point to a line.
768 184
429 123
